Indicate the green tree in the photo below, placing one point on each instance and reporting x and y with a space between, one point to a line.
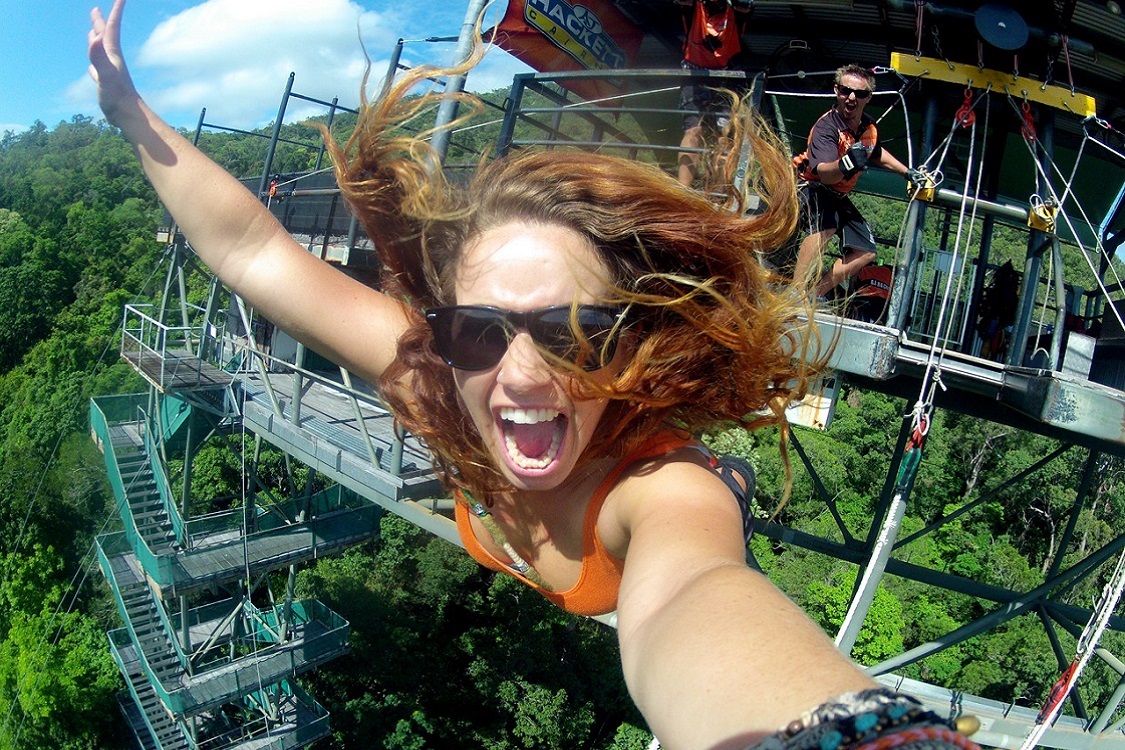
516 672
56 674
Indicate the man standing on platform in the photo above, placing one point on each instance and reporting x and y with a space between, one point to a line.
842 144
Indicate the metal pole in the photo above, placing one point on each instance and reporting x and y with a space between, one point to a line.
1110 708
447 110
185 487
908 254
1006 611
392 69
328 124
508 124
1037 243
892 510
265 181
298 384
1079 503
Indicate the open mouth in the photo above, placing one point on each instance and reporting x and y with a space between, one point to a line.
532 437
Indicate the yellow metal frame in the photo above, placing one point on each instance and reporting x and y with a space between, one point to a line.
1019 87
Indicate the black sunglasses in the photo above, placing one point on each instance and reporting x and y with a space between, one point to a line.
475 337
845 91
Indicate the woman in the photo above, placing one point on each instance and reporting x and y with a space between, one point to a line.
541 339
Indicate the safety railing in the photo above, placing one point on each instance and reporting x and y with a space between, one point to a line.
301 721
312 210
144 339
332 504
130 625
318 517
315 635
634 113
384 453
129 668
159 567
160 478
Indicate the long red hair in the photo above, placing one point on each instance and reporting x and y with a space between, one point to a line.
721 339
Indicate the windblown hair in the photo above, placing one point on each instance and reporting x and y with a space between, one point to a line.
718 338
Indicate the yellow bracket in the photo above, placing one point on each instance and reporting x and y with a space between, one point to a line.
1042 217
1018 87
922 191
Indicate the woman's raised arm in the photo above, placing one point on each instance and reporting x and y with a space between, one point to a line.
236 236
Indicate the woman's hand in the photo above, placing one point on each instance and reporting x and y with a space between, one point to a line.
116 93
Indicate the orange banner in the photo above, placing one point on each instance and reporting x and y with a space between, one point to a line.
556 35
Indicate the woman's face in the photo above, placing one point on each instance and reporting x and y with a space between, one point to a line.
533 429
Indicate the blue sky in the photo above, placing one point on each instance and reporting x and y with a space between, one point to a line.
230 56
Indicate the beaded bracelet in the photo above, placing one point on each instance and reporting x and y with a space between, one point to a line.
874 719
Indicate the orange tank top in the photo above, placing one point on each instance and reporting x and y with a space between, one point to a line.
595 592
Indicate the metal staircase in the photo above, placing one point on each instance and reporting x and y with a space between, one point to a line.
208 655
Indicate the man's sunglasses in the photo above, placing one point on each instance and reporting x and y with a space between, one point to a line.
475 337
846 91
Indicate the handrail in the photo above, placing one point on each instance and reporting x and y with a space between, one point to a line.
356 399
119 637
299 736
156 566
143 335
130 627
249 673
160 477
608 133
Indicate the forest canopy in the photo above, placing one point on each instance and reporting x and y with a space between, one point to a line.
443 653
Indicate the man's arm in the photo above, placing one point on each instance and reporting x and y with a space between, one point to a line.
885 159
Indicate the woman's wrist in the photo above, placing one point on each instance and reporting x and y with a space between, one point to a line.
872 719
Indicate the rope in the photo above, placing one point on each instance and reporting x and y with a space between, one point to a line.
946 142
976 189
904 86
1066 56
934 173
1074 170
1070 224
1043 308
1087 644
518 564
933 363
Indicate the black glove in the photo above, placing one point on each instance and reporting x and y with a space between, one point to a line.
916 177
854 161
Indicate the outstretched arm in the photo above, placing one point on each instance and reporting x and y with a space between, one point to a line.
887 160
714 655
236 236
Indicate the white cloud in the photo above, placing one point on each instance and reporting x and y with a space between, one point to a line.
234 57
82 96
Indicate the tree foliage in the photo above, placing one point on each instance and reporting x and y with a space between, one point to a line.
513 671
444 654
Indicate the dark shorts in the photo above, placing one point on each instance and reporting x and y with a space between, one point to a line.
823 208
702 103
